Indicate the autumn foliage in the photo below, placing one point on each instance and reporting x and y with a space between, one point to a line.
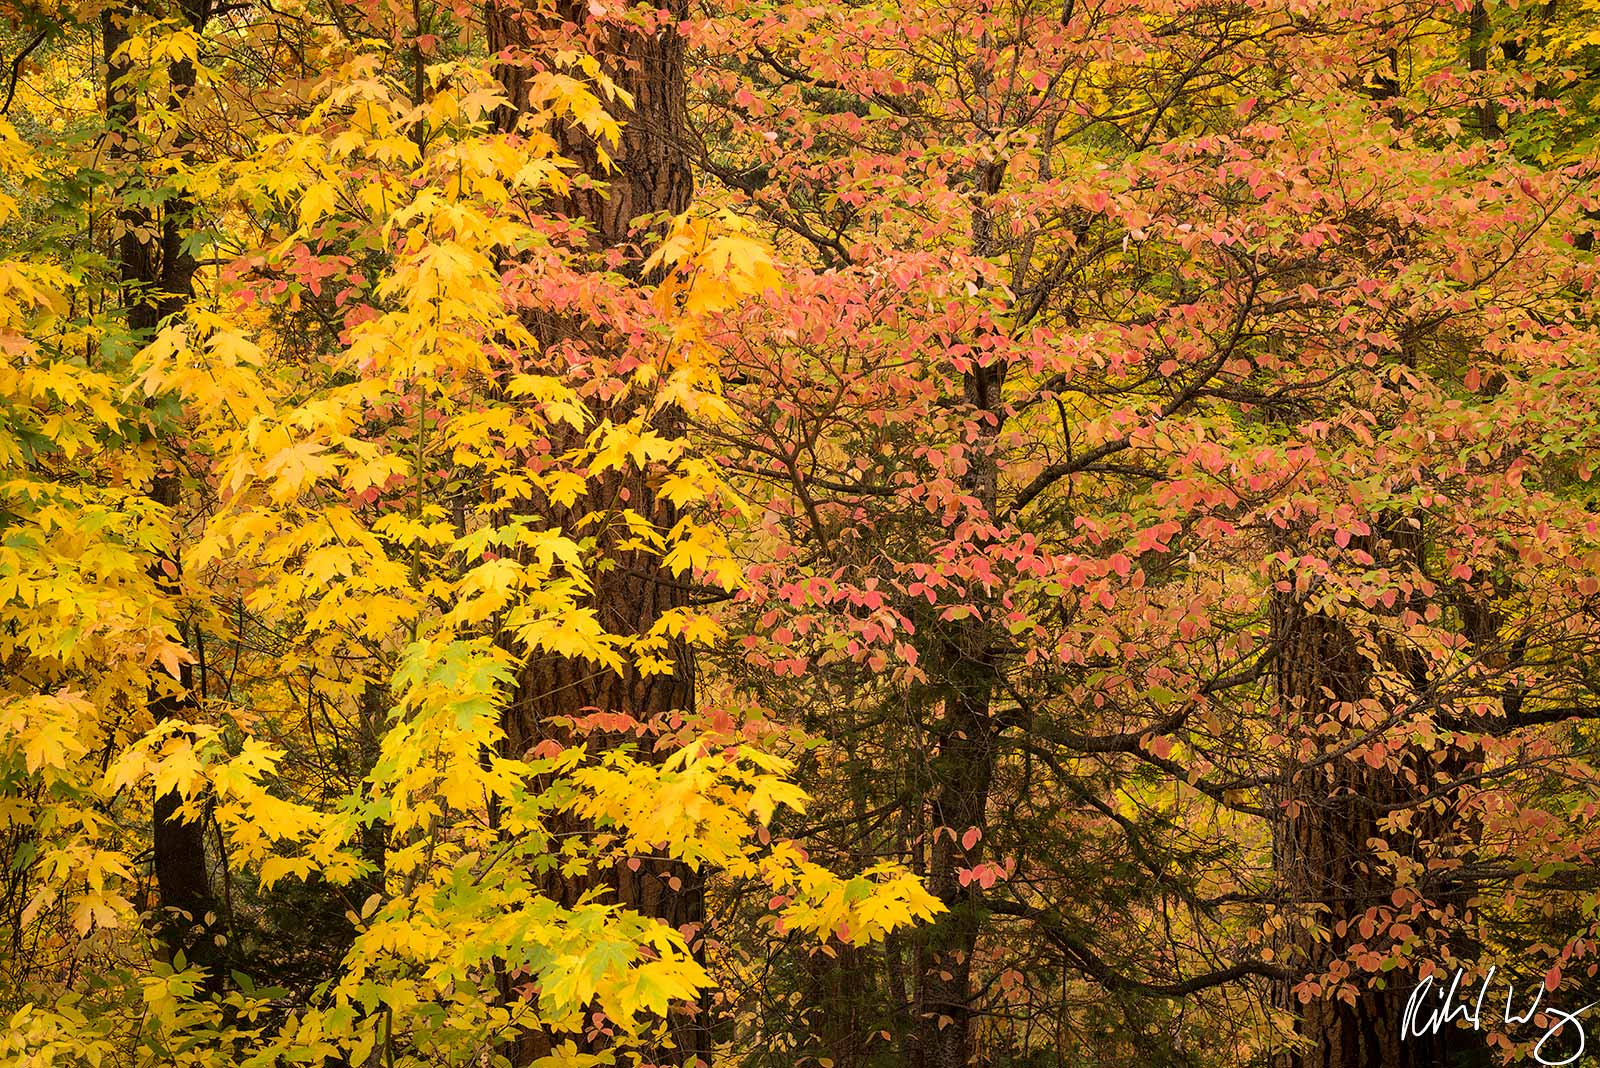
808 534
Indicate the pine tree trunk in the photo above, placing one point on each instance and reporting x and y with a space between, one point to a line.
651 175
1322 856
651 165
1327 863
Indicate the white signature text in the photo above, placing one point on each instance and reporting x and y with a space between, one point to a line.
1432 1007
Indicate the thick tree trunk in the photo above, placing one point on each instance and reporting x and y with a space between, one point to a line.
651 164
651 175
1322 855
1326 844
157 280
551 688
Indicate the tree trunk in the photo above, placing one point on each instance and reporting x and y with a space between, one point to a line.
1327 867
964 769
840 1018
651 175
1479 32
1325 843
157 281
964 759
651 165
1322 857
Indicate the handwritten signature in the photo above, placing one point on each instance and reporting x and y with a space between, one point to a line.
1447 1010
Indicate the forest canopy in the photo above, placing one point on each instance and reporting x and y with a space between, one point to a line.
826 534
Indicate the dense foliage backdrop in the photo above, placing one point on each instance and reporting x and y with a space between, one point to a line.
821 533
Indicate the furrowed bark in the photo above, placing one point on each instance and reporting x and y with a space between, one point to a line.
650 176
1323 842
1326 849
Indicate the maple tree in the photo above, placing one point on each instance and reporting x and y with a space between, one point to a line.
914 534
